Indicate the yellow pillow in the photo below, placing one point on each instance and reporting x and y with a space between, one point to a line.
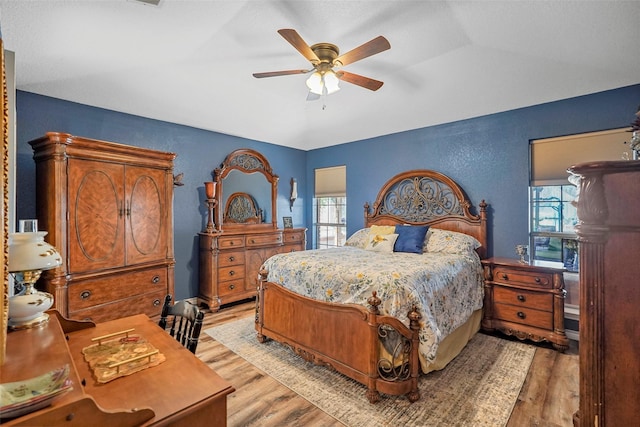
382 229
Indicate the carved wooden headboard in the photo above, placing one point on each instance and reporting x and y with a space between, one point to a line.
420 197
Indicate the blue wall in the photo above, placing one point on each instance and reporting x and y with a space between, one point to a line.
488 156
199 152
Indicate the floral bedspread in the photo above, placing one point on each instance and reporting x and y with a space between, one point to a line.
446 288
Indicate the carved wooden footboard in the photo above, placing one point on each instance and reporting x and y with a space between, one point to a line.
346 337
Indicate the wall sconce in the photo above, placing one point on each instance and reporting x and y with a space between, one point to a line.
29 255
294 193
210 201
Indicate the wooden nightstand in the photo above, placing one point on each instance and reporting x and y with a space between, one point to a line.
526 301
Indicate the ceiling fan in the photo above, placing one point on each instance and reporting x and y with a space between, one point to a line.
324 57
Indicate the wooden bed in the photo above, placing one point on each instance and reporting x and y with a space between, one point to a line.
347 337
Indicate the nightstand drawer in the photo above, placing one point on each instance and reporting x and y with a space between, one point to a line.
293 237
523 315
527 278
231 273
523 298
226 259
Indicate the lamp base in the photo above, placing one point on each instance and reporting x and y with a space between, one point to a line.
16 324
27 309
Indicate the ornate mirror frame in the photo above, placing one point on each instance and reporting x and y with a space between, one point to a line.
247 161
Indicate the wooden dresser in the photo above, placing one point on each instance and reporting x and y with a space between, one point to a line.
181 391
526 301
609 237
108 209
230 261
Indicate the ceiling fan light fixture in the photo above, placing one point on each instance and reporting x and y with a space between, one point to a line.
331 82
315 83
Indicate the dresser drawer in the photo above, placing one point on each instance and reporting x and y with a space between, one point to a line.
527 278
226 259
231 242
231 287
91 292
293 237
231 273
524 316
149 304
264 239
523 298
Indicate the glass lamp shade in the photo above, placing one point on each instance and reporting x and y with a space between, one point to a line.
29 255
314 83
210 189
331 82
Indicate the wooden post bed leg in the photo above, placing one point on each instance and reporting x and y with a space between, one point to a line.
262 279
372 393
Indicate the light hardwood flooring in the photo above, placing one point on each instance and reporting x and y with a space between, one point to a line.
548 398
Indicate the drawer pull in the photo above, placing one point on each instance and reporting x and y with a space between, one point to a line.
253 241
232 258
537 279
156 279
521 315
85 294
156 302
231 273
504 276
231 243
278 238
522 298
232 287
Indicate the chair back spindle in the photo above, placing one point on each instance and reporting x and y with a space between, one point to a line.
185 322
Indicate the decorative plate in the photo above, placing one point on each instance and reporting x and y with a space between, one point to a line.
21 397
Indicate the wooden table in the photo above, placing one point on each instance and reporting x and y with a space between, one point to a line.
181 391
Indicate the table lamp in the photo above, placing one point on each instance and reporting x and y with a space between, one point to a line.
29 256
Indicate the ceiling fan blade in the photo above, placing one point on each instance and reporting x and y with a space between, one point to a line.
377 45
279 73
296 41
356 79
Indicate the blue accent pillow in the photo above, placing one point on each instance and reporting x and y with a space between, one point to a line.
410 238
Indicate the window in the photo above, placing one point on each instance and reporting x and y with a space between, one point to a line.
330 207
331 224
553 218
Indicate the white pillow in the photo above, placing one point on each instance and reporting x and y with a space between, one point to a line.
450 242
358 239
381 242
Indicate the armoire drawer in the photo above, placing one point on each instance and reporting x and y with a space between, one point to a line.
149 304
264 239
524 315
92 292
523 298
226 259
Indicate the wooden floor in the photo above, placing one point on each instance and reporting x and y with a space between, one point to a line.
548 398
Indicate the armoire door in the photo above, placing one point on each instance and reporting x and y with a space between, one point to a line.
145 212
96 215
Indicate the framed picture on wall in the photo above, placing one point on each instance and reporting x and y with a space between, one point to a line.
287 221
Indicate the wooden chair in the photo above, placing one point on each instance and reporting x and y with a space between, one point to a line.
185 320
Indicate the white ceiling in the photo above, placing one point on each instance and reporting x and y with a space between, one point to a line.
191 62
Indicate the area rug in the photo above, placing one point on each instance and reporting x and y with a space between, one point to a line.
478 388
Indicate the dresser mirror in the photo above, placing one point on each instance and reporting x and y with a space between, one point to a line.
247 189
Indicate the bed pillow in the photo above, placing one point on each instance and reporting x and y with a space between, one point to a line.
358 239
410 238
450 242
381 242
382 229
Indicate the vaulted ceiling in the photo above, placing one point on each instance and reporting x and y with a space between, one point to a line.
191 62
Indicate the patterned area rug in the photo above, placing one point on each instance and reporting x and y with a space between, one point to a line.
478 388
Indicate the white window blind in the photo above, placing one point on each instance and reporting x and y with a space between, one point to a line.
331 182
551 157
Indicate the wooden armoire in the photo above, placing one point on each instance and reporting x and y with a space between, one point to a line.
608 206
108 209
